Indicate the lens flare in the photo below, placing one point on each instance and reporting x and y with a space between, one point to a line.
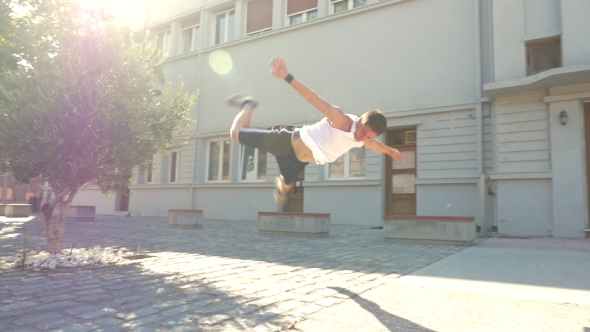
220 62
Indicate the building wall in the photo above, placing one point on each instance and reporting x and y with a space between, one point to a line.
539 176
419 61
91 196
575 45
355 71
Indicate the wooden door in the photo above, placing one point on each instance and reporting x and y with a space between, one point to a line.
124 199
295 200
400 187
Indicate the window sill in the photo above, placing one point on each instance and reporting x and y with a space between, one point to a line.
341 182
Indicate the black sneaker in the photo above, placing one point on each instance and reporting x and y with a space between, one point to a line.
238 100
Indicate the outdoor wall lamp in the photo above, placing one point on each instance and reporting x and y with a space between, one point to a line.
563 117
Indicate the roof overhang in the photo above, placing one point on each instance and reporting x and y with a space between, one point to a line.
547 79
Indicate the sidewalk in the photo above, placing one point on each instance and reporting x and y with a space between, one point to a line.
227 277
500 285
223 276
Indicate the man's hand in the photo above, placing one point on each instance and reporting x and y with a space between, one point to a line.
278 68
395 154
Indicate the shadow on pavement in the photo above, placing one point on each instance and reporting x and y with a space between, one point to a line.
392 322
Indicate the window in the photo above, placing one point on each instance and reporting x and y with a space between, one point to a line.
342 5
190 36
542 56
224 27
162 40
350 165
174 165
299 11
149 170
219 152
253 164
259 17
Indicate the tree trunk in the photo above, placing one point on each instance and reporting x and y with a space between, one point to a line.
54 232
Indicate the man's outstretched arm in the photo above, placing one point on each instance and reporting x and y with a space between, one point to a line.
380 147
332 112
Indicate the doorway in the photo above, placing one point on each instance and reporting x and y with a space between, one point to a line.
124 199
295 199
400 183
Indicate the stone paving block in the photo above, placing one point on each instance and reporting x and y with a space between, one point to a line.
89 292
81 327
17 305
329 301
137 313
93 298
133 324
176 310
179 319
97 313
59 304
212 320
168 304
133 305
37 318
52 324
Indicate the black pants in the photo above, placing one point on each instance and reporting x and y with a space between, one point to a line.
277 141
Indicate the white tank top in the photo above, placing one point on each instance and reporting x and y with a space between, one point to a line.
328 143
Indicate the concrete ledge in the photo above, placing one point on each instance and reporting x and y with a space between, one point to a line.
178 218
17 210
81 213
297 224
429 229
2 209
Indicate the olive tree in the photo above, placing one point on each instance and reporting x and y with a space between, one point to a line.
83 105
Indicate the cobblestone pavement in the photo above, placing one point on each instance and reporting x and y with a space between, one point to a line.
224 276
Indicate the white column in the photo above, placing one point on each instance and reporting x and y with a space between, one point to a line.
240 17
323 8
207 29
175 37
279 13
568 167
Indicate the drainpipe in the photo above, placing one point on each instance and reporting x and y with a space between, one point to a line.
196 113
478 112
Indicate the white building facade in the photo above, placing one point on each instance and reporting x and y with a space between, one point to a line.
478 124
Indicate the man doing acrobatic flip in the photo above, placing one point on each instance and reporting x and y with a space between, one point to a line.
322 142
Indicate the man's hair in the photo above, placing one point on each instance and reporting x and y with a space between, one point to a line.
375 120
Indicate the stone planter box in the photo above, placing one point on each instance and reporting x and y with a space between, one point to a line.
429 229
17 210
297 224
185 218
81 213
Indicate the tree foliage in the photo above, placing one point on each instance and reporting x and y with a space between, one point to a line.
82 103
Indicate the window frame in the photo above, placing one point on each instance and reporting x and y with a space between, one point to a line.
195 29
304 17
174 166
220 161
166 39
256 166
149 171
529 56
349 6
227 30
346 171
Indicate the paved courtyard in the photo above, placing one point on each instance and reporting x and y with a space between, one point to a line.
223 276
